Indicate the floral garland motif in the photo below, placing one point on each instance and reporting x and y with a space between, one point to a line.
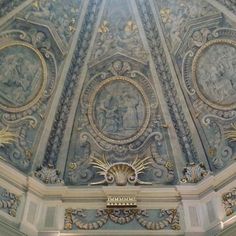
229 201
122 216
9 201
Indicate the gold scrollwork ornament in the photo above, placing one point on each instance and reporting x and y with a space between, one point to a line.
146 105
43 82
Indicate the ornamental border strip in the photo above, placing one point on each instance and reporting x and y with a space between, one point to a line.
77 62
163 71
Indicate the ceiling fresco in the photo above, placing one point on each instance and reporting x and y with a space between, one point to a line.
118 92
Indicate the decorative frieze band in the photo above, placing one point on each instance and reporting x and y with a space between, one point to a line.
229 201
9 202
95 219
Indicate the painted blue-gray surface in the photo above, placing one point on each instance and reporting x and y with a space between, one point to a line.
7 6
120 48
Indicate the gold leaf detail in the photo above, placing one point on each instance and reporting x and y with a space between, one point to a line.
6 137
36 5
120 173
130 26
166 15
231 134
103 27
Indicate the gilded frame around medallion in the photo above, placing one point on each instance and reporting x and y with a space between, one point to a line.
42 87
146 106
194 73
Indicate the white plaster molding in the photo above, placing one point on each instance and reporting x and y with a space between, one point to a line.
210 183
122 232
50 233
8 229
223 9
124 190
11 177
152 197
27 227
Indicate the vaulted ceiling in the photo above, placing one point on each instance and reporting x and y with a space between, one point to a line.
118 92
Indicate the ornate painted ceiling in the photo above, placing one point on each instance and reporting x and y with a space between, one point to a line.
118 92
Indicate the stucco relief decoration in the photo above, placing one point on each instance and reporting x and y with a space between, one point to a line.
28 71
120 173
60 17
229 201
215 83
230 134
118 108
194 173
118 119
208 73
118 31
9 202
159 219
23 76
6 137
48 175
219 147
208 69
175 15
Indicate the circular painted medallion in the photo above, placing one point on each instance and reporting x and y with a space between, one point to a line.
23 76
214 74
119 110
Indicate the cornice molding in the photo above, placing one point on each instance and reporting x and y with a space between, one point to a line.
124 233
149 194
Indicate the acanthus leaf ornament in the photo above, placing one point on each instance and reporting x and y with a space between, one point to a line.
194 173
6 137
231 133
48 175
229 201
76 218
28 77
120 173
118 114
9 201
72 77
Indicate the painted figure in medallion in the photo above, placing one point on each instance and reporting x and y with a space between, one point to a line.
119 110
20 75
217 81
